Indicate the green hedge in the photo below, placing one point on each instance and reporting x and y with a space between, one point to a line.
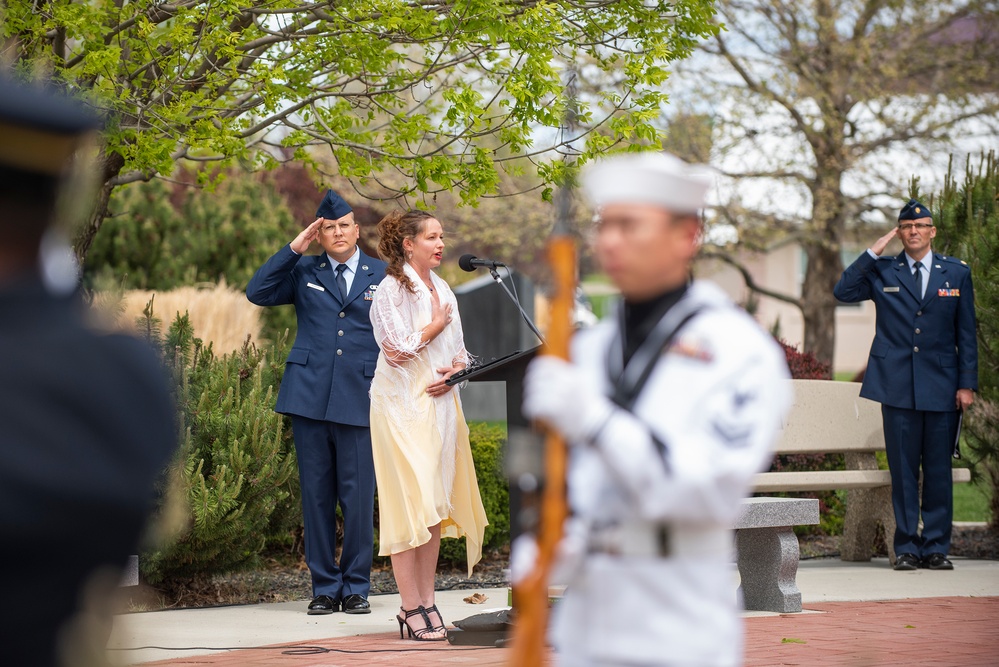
487 442
164 235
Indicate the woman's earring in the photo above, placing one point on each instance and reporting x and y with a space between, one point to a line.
409 254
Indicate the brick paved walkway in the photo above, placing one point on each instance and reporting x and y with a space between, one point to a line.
928 632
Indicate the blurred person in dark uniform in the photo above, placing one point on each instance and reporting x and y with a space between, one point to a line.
86 419
325 389
923 369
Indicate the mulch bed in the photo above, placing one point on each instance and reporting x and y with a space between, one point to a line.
974 541
277 582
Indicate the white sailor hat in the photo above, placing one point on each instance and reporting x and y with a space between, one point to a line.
660 179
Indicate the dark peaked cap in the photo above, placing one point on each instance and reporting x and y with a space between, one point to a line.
913 210
333 207
40 128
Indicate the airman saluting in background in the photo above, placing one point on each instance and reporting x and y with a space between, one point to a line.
923 370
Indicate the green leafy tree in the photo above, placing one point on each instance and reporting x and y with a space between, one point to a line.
443 93
821 109
967 216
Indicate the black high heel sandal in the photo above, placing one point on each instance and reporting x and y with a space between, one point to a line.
434 610
421 634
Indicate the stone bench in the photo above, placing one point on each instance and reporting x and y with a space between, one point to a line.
767 551
831 417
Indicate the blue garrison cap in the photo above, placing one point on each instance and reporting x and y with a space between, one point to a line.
913 210
333 207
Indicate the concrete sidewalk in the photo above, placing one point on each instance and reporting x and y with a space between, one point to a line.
855 614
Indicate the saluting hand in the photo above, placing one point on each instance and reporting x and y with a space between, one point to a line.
879 246
306 237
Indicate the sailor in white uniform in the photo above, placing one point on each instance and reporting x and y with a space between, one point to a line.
670 407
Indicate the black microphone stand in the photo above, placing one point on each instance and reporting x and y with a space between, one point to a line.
496 276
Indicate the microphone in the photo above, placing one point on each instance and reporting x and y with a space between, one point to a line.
471 262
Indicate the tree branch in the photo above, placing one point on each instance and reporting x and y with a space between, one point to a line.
747 277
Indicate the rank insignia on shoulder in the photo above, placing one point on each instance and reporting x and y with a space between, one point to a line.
948 292
691 350
964 262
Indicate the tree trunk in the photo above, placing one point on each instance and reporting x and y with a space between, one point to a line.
110 165
822 250
818 305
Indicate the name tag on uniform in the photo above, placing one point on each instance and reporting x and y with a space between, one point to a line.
890 289
948 292
321 289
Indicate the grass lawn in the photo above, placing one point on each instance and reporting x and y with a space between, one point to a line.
971 502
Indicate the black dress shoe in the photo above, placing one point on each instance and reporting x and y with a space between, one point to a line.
906 562
936 562
323 604
355 604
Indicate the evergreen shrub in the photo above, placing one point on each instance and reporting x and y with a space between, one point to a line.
235 470
966 214
168 235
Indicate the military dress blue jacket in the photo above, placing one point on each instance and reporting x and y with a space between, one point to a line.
329 369
927 344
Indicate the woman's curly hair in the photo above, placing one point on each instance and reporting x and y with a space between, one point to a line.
393 229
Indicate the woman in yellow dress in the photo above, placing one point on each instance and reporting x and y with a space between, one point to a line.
423 462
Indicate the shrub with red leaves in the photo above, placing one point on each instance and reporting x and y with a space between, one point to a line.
804 365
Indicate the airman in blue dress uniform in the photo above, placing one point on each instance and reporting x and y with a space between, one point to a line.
923 369
325 391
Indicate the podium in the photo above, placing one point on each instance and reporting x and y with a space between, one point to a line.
523 459
509 369
524 452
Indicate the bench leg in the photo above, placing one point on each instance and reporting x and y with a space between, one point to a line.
768 565
865 510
